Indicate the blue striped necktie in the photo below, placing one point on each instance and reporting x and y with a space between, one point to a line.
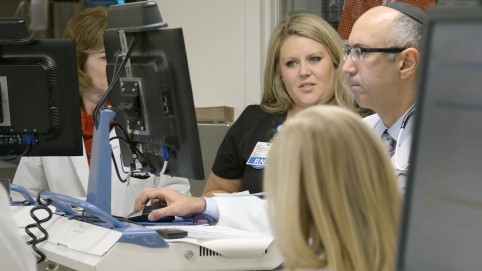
389 142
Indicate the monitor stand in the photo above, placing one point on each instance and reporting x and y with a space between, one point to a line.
100 180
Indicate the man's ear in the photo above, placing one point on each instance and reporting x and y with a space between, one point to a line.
408 62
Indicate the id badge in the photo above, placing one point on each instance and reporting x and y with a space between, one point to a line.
258 157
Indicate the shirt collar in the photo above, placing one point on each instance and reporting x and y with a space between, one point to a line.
394 130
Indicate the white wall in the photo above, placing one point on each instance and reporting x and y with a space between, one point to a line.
225 43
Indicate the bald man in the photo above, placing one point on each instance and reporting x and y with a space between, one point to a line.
382 55
382 76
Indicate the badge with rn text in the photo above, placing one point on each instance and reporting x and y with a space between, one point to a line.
259 155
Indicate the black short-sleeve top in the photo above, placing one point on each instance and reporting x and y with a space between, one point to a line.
253 125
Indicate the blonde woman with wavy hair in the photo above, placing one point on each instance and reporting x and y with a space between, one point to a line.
332 193
303 68
276 96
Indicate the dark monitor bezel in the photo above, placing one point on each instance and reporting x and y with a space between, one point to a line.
179 126
54 114
436 15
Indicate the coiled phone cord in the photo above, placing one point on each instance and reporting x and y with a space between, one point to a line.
34 241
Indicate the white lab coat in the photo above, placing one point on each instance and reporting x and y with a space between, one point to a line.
14 252
69 175
402 153
246 213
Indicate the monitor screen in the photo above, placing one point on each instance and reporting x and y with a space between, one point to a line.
39 92
93 3
153 98
442 219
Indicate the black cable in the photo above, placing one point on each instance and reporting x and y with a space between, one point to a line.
8 158
117 169
86 217
123 131
27 150
136 150
125 139
115 78
128 140
34 241
131 144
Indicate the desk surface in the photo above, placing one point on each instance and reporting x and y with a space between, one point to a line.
84 246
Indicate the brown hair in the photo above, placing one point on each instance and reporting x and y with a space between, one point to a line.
87 28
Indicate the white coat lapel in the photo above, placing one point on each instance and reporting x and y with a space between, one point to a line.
81 169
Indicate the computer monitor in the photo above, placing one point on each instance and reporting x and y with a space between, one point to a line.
153 98
93 3
441 225
39 114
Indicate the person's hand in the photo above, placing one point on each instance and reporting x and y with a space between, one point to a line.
177 204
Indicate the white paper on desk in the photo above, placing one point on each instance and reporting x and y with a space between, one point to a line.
229 242
83 237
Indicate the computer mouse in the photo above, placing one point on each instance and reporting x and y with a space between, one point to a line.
145 213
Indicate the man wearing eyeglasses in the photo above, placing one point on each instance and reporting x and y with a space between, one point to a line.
381 57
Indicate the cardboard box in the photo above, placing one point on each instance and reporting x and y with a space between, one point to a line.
215 114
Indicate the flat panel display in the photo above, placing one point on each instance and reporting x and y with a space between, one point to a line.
442 221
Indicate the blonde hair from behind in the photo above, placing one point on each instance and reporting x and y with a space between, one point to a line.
332 193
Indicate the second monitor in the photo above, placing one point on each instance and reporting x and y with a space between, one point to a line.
153 98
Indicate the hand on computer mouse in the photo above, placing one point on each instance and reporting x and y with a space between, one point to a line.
177 204
144 215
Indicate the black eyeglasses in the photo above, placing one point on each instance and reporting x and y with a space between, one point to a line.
357 52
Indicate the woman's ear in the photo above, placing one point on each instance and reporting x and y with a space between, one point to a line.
408 62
